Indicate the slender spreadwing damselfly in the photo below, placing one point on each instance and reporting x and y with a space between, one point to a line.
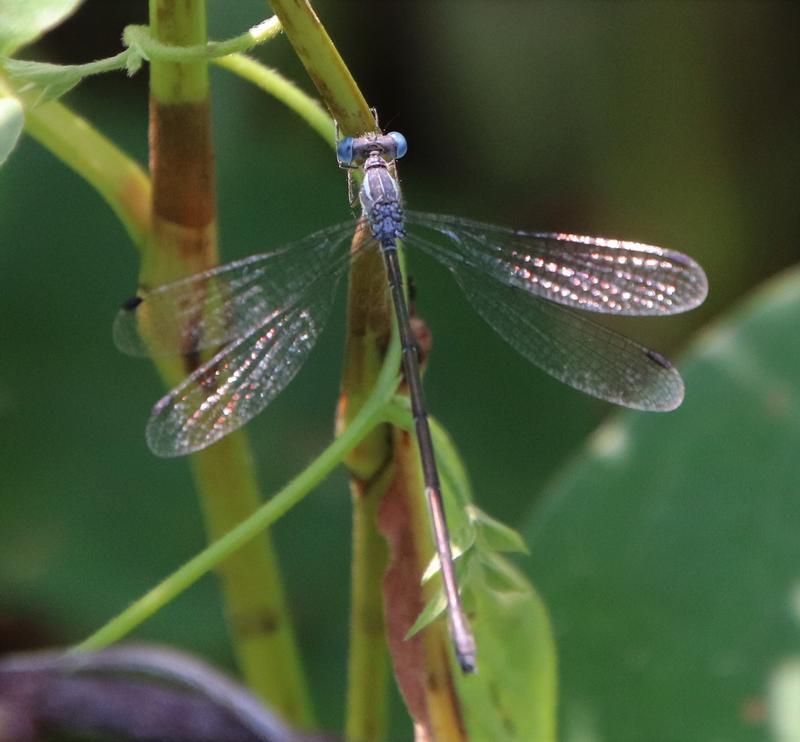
261 316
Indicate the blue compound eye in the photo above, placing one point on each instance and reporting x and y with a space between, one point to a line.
400 142
344 151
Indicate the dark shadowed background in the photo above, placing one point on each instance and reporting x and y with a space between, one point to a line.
673 123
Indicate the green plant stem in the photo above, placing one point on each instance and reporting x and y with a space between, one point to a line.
368 657
369 325
272 82
325 66
97 67
182 24
117 178
293 493
184 241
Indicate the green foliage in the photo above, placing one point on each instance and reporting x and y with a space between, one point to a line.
496 536
51 81
668 551
513 695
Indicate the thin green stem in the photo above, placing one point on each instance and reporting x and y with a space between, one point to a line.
255 601
278 505
217 552
142 40
97 67
284 90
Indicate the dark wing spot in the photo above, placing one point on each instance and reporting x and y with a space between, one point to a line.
658 358
130 304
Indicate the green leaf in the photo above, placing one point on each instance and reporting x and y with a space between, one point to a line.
668 551
434 567
54 80
501 575
494 535
12 119
512 697
435 607
23 21
451 468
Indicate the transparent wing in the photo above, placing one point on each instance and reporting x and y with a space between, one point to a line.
591 273
572 348
243 378
210 309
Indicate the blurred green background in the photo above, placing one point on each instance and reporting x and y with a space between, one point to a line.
673 123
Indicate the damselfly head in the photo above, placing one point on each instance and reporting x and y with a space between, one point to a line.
354 151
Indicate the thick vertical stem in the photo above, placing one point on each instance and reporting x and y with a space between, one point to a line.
184 241
368 666
370 465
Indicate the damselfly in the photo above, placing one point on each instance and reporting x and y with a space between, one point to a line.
264 314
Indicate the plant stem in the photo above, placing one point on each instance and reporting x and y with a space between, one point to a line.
184 242
258 617
324 65
369 325
119 179
368 659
